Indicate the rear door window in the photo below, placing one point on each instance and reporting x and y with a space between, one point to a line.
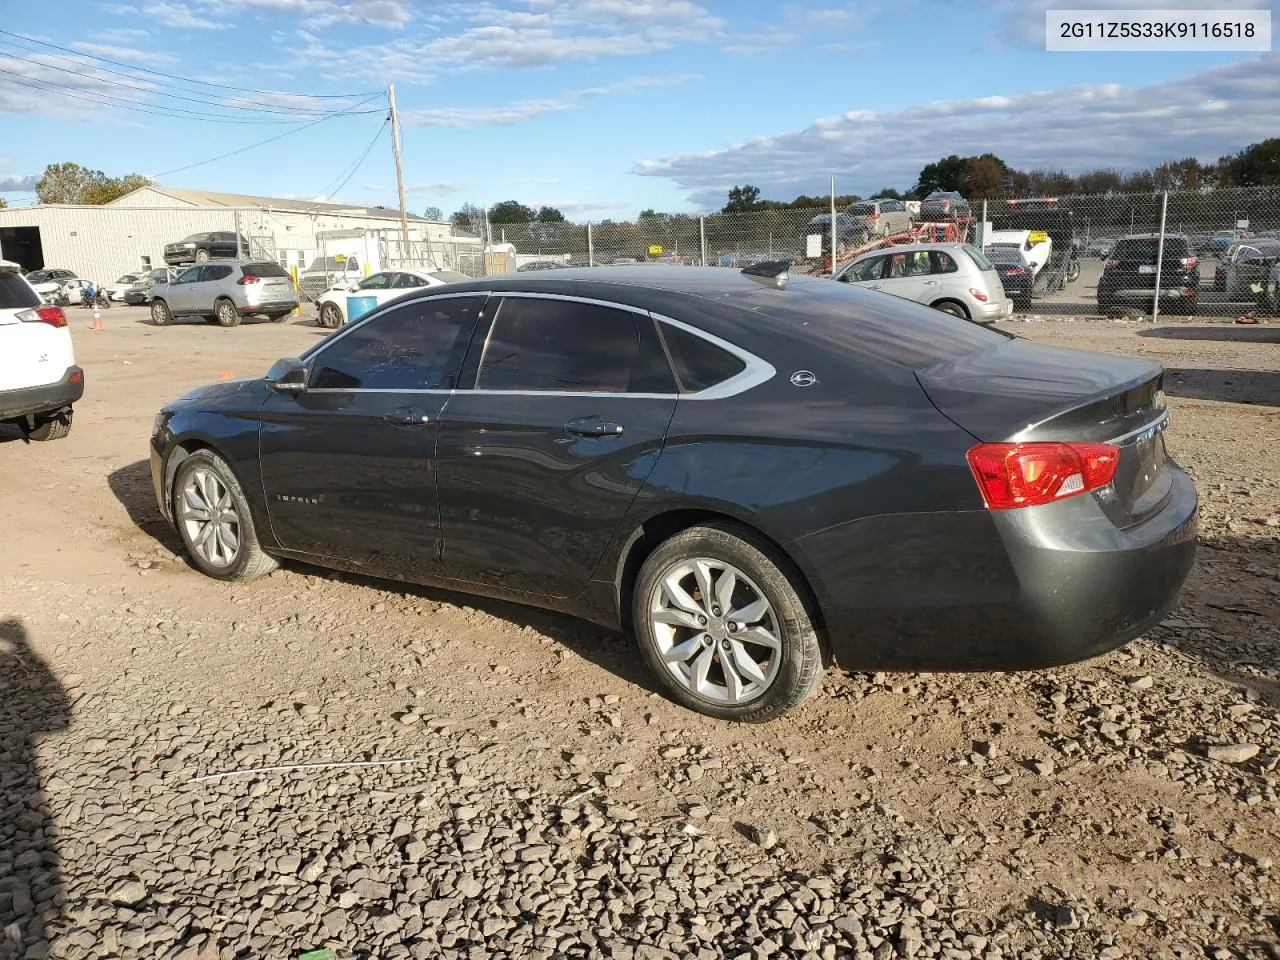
16 293
548 345
216 272
944 262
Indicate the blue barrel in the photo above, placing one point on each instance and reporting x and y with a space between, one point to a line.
357 307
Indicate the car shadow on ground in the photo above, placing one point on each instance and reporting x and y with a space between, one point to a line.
32 705
1259 387
610 650
1226 332
10 432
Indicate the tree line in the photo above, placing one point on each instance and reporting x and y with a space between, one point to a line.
987 177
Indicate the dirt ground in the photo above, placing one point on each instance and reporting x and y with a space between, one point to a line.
1076 812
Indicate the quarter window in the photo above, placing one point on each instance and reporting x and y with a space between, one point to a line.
418 346
220 272
944 262
544 345
699 363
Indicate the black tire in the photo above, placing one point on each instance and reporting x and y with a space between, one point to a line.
54 427
952 308
278 317
250 561
801 658
330 316
1073 271
202 256
160 313
226 313
1190 307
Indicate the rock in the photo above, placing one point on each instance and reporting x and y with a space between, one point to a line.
469 887
415 851
1044 768
1135 918
312 870
766 838
129 892
1233 752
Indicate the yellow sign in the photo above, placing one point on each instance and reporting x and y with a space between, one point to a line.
655 250
1037 236
340 258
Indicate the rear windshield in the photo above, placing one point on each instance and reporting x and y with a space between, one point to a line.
128 278
16 293
977 257
38 276
861 209
264 269
1145 249
844 318
1003 253
450 276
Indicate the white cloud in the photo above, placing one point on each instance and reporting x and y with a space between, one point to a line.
131 54
176 15
1094 125
41 85
521 110
431 187
18 184
122 35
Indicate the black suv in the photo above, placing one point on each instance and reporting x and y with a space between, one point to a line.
1128 278
200 247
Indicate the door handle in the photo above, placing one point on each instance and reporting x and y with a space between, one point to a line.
593 427
407 416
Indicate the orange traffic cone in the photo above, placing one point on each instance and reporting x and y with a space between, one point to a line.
97 319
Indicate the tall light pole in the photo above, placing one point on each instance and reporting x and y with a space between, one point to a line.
395 148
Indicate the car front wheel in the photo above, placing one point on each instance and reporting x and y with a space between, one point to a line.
214 522
160 314
330 316
723 627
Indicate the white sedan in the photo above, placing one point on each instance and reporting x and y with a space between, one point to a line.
382 287
115 291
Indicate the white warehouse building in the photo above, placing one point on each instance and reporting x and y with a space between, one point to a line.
129 234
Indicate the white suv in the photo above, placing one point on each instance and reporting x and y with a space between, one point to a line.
39 379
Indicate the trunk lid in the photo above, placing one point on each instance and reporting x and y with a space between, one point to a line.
1020 391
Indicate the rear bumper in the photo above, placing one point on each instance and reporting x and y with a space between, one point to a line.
1138 294
269 306
1001 590
992 311
47 398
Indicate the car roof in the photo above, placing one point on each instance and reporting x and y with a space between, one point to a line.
1153 236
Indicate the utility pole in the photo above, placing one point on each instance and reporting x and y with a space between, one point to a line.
395 148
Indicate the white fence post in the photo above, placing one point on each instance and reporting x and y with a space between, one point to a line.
702 239
1155 301
591 248
833 226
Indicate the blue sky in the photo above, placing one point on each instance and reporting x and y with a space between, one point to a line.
598 107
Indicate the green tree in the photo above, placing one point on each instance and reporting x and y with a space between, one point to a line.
888 193
648 214
72 183
945 174
742 199
548 215
3 203
510 211
1257 165
1104 180
433 213
468 218
984 177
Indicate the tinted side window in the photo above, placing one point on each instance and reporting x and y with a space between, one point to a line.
264 269
554 345
376 281
699 364
943 262
418 346
868 269
220 272
15 293
190 275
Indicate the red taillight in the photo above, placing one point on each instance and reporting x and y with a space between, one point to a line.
978 295
245 281
873 216
76 377
1188 263
1015 272
51 315
1111 265
1026 474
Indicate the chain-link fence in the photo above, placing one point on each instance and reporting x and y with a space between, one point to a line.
1216 253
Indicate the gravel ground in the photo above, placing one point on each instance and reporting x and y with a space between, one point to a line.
193 770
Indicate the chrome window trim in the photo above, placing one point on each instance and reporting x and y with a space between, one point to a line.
755 372
1158 425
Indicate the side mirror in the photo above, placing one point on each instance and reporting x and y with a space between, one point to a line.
353 288
287 376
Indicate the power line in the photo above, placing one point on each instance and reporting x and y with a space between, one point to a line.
170 76
330 194
151 88
160 110
261 143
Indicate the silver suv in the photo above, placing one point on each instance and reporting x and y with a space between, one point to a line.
225 291
952 277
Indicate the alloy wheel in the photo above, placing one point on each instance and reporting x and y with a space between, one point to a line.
209 518
715 630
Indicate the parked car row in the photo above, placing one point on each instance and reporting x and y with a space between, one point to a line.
861 223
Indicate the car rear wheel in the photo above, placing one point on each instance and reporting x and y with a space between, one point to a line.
330 316
214 522
952 308
202 256
723 627
226 312
160 314
53 427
